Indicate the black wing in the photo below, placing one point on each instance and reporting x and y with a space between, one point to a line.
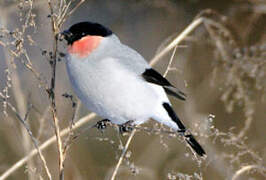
152 76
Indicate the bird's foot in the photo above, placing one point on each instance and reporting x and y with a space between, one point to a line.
126 127
101 125
182 131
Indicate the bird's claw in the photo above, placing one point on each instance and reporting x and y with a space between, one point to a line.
101 125
126 127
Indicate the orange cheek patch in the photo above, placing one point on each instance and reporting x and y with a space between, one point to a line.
85 45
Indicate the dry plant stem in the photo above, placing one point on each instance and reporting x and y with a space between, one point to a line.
59 144
61 18
123 154
42 121
66 15
170 62
55 29
246 127
37 75
56 23
34 140
19 97
216 39
69 138
51 92
52 140
221 47
46 144
61 3
177 40
247 168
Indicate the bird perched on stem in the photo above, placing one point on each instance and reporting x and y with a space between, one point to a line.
114 81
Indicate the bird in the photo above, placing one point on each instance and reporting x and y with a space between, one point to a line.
117 83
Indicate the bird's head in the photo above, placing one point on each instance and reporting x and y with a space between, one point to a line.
84 37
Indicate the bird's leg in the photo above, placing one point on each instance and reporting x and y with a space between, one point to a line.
182 132
101 125
126 127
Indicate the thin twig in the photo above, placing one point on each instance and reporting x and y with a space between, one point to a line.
170 62
61 6
123 154
66 15
75 8
69 138
19 97
34 140
36 74
42 121
219 44
56 22
46 144
247 168
51 92
177 40
61 18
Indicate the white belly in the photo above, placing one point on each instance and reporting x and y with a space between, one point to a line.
113 92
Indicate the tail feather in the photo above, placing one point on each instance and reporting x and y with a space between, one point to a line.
170 90
195 145
182 130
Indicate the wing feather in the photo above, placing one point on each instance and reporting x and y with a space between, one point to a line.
152 76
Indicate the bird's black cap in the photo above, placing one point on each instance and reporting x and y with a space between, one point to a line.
79 30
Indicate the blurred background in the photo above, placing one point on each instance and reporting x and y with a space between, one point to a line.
221 67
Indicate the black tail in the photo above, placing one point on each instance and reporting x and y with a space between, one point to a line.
182 130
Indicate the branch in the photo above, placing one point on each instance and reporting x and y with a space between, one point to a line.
46 144
247 168
34 140
123 154
55 30
65 15
177 40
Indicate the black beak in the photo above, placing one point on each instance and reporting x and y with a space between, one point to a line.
67 35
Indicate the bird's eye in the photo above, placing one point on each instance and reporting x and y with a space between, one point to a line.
83 34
